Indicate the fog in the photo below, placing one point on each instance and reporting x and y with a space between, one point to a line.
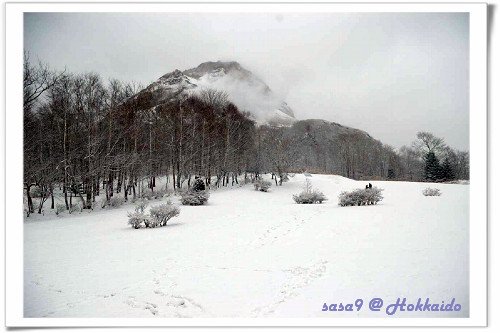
390 74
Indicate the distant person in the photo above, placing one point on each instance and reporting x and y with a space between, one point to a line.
370 185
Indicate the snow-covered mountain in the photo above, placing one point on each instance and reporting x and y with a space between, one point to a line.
245 90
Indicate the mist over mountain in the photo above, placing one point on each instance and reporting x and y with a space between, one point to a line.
248 92
309 144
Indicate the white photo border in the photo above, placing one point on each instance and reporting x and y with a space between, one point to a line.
14 162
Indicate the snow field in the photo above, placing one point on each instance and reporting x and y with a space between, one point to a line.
254 254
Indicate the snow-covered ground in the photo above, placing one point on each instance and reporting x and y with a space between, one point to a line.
253 254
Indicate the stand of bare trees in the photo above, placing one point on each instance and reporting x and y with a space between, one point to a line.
85 137
316 147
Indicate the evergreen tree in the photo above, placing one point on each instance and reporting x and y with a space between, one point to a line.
433 170
447 171
391 174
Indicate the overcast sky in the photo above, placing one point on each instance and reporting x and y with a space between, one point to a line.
390 74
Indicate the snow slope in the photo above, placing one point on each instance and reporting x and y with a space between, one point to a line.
254 254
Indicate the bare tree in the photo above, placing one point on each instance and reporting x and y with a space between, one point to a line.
37 79
428 143
412 163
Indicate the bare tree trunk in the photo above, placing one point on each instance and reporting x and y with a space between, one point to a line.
133 188
52 197
31 209
40 205
65 190
179 148
88 190
119 182
109 187
65 185
174 184
96 188
127 187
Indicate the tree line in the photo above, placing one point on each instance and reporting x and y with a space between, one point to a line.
440 162
88 136
84 137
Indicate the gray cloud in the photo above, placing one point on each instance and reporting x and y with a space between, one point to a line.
390 74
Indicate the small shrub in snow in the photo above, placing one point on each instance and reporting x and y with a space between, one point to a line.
161 214
151 195
75 208
140 206
103 202
136 220
193 198
262 185
116 201
361 197
158 194
309 196
36 192
431 192
60 208
145 193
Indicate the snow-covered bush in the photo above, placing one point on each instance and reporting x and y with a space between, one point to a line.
35 192
39 192
136 220
116 202
145 195
361 197
151 195
193 198
140 206
75 208
103 202
161 214
309 195
431 192
262 185
60 208
158 194
373 195
158 215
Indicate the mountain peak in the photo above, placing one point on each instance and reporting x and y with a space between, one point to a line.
214 66
174 74
247 91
